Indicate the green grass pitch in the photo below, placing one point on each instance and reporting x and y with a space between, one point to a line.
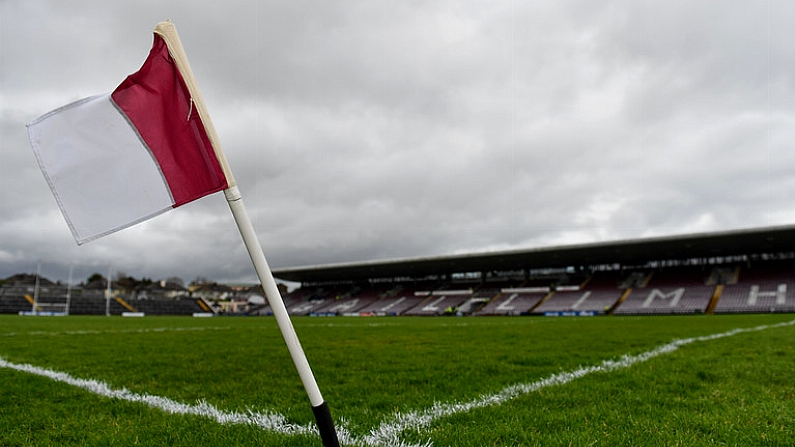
737 389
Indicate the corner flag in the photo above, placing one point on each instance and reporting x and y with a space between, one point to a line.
118 159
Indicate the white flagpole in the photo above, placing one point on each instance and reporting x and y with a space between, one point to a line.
320 409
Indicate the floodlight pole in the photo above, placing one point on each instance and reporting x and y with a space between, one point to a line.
325 424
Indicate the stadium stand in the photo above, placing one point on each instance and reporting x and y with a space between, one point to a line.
391 306
598 301
725 272
305 307
667 300
351 302
440 302
397 298
768 287
671 290
514 301
347 305
94 304
306 301
16 296
180 306
13 304
595 294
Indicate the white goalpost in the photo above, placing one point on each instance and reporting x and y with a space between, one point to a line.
53 306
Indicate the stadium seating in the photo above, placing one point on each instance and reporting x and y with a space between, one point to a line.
668 300
347 305
305 307
439 303
394 305
670 290
596 300
760 288
513 302
88 302
397 299
12 304
187 306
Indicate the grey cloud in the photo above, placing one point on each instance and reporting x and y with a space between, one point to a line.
371 130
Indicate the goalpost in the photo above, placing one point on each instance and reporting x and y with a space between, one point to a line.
52 308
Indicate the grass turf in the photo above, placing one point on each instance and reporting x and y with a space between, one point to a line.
731 391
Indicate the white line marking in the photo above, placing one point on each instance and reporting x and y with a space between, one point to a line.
388 433
267 421
122 331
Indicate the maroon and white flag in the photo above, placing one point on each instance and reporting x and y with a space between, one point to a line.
117 159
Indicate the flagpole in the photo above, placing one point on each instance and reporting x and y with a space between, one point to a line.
320 409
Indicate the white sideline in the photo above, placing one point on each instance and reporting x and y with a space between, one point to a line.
388 433
267 421
121 331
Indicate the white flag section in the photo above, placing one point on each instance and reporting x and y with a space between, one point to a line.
99 191
115 160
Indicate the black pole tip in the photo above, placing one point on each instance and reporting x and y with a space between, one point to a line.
328 434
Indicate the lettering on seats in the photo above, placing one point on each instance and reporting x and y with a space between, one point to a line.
505 305
345 306
780 293
675 296
393 304
432 307
302 308
581 300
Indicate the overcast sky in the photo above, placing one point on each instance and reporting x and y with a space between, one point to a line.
366 130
